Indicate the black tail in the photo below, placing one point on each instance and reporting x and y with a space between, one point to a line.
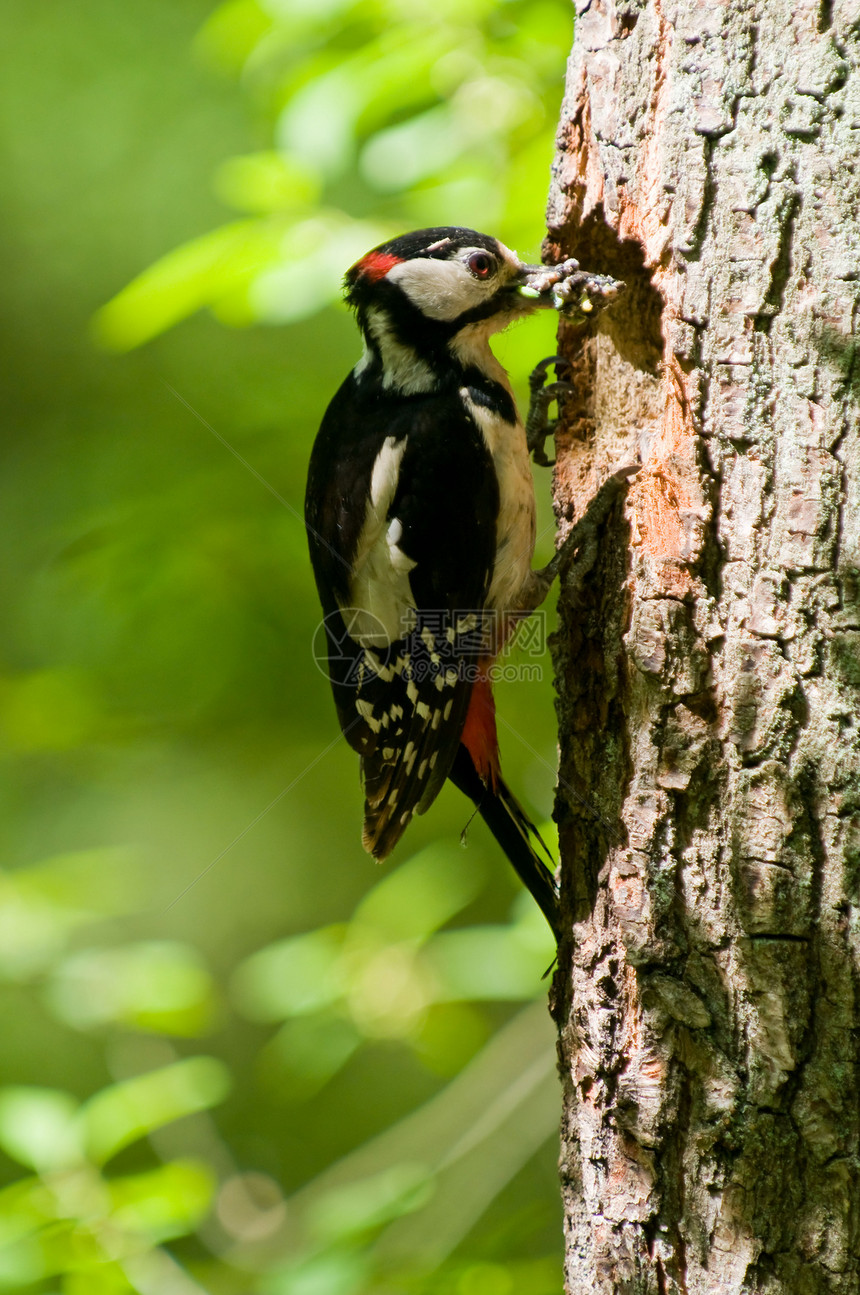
514 831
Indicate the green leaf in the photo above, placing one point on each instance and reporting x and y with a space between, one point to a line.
360 1207
41 905
294 977
307 1052
97 1278
25 1206
48 710
21 1264
38 1127
266 182
318 126
157 985
129 1110
422 146
309 272
332 1273
422 894
232 33
203 272
166 1202
487 963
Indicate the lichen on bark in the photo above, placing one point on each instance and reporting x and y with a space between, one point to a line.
709 672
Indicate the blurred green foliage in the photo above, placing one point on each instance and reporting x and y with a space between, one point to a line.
238 1057
385 116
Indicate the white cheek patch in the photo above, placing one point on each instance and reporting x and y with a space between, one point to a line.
442 289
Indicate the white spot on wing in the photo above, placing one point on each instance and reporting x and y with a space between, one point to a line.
365 710
384 672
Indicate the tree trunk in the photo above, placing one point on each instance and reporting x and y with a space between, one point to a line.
709 670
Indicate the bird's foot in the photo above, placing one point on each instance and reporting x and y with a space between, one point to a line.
538 423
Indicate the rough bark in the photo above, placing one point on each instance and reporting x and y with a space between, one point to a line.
709 672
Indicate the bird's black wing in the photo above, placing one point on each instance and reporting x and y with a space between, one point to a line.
402 523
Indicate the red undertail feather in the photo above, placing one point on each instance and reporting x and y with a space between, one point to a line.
479 732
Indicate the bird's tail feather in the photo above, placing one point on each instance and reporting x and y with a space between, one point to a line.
515 833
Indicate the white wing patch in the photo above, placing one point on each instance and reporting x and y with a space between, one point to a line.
394 534
380 597
384 476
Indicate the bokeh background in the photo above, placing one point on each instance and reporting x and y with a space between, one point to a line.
238 1056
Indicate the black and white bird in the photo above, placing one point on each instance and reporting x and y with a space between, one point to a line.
420 514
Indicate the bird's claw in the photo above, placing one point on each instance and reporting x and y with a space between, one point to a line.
538 375
538 425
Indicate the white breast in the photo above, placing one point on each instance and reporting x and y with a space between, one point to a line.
515 527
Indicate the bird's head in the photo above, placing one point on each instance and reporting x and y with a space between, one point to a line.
447 276
431 298
435 296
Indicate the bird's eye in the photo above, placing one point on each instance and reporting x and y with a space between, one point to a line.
481 264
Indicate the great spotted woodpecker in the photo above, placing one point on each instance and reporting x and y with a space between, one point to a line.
420 514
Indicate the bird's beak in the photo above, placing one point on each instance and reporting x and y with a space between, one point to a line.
527 280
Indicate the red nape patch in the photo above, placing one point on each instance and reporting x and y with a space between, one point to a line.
376 265
479 732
